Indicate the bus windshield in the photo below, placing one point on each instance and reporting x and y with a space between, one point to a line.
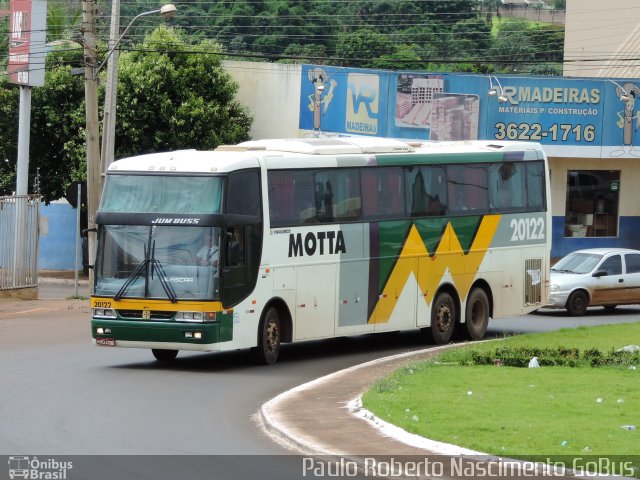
175 262
162 194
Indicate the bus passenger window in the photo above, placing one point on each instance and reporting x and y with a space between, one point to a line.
382 193
506 186
467 188
337 195
535 183
291 198
426 191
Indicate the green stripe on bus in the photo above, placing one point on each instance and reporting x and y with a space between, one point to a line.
465 229
440 158
147 331
392 235
431 230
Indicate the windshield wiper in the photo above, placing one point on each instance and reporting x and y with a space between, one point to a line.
562 270
134 275
162 276
155 265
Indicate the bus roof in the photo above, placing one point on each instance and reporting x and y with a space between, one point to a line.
326 152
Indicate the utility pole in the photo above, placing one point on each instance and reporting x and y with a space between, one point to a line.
92 126
110 97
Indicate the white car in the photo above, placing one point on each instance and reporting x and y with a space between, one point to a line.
604 277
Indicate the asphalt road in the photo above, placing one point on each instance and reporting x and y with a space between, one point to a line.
60 395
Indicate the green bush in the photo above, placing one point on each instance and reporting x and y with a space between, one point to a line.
547 357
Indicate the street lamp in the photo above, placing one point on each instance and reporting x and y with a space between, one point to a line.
622 92
493 91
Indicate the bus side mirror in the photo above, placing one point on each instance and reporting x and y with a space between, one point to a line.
85 246
85 250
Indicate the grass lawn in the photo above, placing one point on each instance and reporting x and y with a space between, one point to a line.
555 412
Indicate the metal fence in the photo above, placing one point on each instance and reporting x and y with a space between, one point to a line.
19 225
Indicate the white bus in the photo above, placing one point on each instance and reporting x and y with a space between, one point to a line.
273 241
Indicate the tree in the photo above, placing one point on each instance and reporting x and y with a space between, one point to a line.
406 57
172 95
8 136
362 47
63 21
4 41
57 129
513 44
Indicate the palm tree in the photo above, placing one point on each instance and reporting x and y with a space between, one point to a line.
63 20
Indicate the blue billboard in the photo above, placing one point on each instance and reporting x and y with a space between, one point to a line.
571 116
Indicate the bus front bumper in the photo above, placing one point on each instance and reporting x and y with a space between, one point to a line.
154 334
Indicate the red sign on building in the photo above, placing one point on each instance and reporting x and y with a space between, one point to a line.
27 42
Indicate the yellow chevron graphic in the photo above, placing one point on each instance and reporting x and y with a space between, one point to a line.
414 258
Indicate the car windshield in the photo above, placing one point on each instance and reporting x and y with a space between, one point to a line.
577 262
175 262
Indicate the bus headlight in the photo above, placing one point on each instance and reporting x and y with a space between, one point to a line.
104 313
196 317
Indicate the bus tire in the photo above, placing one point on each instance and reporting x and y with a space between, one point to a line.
268 337
477 314
577 303
443 319
164 355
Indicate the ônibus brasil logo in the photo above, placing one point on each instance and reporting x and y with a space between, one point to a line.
38 469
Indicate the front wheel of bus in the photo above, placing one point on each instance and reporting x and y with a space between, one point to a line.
164 355
269 337
443 319
477 314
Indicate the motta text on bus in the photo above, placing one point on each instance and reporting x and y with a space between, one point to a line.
316 243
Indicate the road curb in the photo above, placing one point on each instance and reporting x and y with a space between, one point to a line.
276 428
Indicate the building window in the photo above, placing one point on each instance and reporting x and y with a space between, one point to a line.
592 203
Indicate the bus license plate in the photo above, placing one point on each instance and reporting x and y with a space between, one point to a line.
106 342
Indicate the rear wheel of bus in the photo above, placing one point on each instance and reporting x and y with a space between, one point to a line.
268 337
477 314
443 319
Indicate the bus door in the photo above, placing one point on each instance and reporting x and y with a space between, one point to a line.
315 301
242 237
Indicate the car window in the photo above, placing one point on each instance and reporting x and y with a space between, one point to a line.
633 262
612 265
577 262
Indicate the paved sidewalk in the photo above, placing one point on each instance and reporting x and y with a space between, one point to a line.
55 292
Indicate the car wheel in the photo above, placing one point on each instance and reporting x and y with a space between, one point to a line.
164 355
577 303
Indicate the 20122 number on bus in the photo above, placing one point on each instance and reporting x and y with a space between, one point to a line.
527 229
